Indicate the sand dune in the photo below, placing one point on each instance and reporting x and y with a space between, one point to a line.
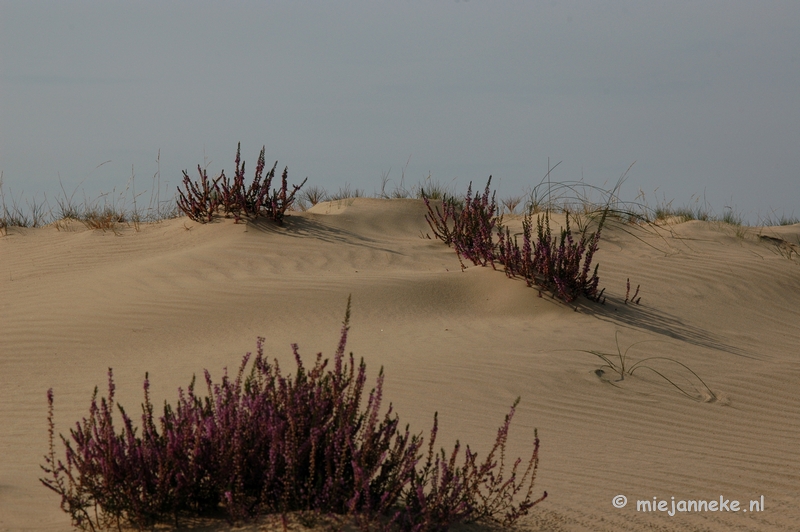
176 297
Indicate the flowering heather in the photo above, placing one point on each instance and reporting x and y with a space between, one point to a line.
562 265
203 199
473 223
628 293
263 442
559 265
442 493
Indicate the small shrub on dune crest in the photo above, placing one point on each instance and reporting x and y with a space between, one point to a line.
562 266
265 442
314 195
432 189
472 225
205 198
510 203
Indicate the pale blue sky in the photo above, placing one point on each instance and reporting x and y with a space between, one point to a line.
705 96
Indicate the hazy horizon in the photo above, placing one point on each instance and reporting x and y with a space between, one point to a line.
702 96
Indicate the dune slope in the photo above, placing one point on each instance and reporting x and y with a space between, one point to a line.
176 297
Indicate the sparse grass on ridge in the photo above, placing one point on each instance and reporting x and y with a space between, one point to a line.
429 187
781 220
106 213
346 192
576 198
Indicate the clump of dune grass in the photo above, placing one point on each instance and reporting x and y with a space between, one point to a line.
346 192
582 200
399 191
12 214
265 442
592 207
665 213
787 220
510 203
429 188
782 220
432 189
205 198
313 195
108 212
698 209
782 247
731 217
686 213
620 365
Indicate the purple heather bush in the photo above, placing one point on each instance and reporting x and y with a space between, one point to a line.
562 266
205 198
263 442
473 223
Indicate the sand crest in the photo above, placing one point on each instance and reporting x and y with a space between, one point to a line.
177 296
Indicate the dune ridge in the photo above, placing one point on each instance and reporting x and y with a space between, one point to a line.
177 296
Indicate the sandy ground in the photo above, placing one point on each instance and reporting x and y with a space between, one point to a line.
175 297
